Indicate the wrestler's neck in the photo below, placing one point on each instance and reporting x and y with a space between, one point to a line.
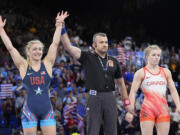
101 54
153 67
36 63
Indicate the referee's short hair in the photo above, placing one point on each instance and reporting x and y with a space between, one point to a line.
98 34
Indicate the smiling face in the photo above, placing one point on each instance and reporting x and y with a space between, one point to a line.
34 50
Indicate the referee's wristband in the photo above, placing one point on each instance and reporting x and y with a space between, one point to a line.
63 31
126 102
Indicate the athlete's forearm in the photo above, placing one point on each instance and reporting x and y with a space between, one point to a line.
132 97
123 91
57 34
66 41
175 97
122 88
6 40
173 91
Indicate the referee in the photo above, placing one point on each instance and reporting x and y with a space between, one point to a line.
101 73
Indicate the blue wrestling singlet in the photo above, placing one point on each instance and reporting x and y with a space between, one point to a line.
37 106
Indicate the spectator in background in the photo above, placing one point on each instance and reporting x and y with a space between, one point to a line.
61 56
174 67
81 112
7 109
165 55
129 74
57 115
79 80
69 110
61 130
60 91
175 121
17 88
127 43
121 55
19 104
139 58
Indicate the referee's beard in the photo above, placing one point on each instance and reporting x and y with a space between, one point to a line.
101 52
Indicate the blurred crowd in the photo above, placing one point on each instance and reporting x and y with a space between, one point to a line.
67 91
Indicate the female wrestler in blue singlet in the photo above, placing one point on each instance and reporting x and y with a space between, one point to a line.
36 75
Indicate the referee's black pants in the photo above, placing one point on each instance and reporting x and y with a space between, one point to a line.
101 109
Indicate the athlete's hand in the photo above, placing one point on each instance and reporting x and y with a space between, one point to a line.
61 17
130 109
178 110
129 117
2 23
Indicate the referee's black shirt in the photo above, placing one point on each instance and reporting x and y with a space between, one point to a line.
95 75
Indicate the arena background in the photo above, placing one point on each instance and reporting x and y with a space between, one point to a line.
142 19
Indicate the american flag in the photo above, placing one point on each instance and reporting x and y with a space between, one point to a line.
70 108
119 53
5 90
81 112
43 73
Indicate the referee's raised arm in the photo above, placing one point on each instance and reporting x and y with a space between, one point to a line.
74 51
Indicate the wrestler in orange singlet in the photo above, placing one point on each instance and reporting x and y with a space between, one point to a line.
153 81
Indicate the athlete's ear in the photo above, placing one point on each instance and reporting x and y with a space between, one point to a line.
94 45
